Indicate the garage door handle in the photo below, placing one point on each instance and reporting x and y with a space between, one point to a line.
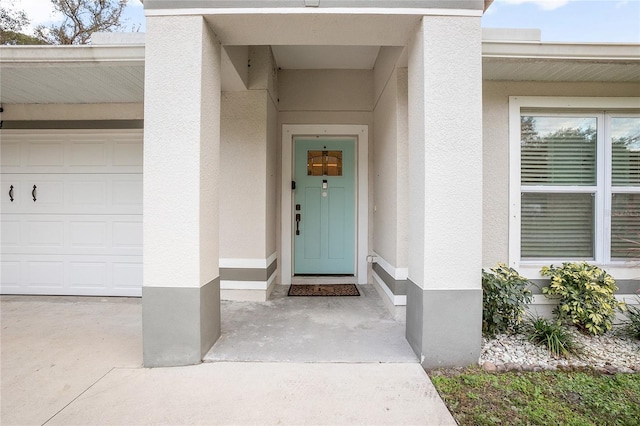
11 193
33 193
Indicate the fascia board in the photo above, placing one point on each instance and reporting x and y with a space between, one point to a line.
48 55
558 51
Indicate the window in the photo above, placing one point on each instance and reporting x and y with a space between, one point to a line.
324 163
577 181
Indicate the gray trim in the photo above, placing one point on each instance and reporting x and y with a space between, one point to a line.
415 315
179 324
624 286
249 274
421 4
444 326
74 124
210 320
397 287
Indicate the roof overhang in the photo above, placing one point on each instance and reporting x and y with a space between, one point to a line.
71 74
115 74
560 62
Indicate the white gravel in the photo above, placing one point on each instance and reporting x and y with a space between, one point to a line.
612 352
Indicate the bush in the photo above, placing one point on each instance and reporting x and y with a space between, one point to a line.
586 295
633 325
504 299
552 335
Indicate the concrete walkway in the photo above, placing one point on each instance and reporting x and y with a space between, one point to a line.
77 361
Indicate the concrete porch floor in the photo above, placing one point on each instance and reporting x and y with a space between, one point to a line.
311 329
76 360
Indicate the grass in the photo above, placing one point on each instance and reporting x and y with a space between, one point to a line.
583 397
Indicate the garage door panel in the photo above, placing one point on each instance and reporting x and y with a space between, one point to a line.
11 201
127 234
85 233
10 153
127 276
127 192
88 154
48 273
127 153
72 234
10 274
46 153
43 234
72 151
88 193
83 275
48 193
73 193
10 233
88 274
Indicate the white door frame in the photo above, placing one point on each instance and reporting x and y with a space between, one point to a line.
361 133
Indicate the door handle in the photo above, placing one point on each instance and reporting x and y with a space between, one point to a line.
33 193
298 218
11 193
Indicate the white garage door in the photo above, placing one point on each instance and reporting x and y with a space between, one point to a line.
72 212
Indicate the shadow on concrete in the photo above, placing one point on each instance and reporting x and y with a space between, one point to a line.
311 329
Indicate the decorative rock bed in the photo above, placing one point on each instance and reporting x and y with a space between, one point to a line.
611 353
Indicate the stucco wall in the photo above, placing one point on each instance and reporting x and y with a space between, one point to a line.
249 163
384 174
243 167
390 170
496 150
325 90
273 175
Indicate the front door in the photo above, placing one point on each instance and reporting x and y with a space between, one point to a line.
324 206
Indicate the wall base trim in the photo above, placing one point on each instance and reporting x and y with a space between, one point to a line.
179 324
444 326
398 312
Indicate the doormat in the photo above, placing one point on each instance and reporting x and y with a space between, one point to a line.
323 290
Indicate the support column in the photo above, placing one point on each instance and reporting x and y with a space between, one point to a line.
444 294
181 287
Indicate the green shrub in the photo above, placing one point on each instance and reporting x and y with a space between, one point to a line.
633 325
552 335
504 299
585 294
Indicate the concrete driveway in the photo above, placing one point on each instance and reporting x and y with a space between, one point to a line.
78 361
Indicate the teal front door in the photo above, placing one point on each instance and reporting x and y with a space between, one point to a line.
324 206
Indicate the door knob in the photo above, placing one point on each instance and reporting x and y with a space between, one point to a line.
298 218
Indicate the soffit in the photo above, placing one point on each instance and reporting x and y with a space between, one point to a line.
559 70
314 29
72 74
559 62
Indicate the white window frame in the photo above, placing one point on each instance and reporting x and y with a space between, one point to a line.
569 106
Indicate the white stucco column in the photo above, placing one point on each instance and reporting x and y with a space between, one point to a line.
181 289
444 294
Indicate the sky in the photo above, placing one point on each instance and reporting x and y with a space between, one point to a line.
570 20
41 12
610 21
